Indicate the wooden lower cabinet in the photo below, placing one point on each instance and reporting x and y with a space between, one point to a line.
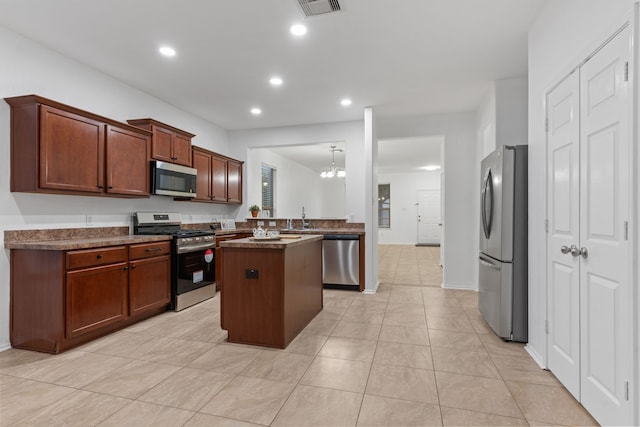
61 299
149 278
273 306
220 264
95 297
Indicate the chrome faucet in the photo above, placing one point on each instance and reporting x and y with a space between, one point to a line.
305 224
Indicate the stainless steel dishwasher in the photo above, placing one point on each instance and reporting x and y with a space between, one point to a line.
341 260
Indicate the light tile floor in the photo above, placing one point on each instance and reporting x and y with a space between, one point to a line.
412 354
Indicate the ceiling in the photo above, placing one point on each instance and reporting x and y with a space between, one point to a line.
403 57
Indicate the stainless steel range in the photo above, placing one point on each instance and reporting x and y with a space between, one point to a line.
192 257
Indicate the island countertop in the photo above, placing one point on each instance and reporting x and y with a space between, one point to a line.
286 241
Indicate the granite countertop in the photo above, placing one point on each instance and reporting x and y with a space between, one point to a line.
84 243
250 243
324 231
294 231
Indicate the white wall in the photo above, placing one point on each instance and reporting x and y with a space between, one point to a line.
461 180
404 211
563 35
296 186
486 132
29 68
511 111
351 133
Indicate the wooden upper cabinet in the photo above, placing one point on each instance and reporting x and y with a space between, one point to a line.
127 163
161 144
182 149
168 144
71 151
219 178
202 162
56 148
234 181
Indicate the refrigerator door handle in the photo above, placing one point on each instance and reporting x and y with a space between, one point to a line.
487 191
489 264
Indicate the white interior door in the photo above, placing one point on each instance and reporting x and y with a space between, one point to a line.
606 297
563 188
589 256
429 219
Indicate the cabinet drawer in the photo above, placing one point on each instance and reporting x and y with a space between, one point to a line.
145 250
94 257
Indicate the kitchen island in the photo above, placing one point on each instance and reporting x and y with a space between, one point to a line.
271 289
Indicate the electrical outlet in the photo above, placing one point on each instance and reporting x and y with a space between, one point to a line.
251 273
89 219
272 223
260 223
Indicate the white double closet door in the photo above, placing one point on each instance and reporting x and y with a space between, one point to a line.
589 195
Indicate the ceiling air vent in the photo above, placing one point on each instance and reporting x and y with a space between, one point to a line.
319 7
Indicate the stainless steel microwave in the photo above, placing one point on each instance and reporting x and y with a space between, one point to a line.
168 179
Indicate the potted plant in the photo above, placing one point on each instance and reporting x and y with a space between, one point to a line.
254 209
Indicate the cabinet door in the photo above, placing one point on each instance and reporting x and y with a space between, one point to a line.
127 162
95 297
161 144
149 284
234 182
202 162
71 151
219 179
181 150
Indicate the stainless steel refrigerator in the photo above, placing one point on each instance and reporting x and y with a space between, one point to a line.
502 298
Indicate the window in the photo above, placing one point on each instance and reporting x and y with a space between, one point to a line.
268 181
384 205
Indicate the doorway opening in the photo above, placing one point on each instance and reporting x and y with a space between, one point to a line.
413 169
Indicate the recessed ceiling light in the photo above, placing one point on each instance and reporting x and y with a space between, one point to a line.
345 102
275 81
167 51
431 167
256 111
298 30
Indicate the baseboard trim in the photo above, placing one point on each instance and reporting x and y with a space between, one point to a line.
535 356
459 287
436 245
5 347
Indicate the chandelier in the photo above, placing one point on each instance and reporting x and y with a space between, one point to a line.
333 170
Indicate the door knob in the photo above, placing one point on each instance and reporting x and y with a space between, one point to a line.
565 249
583 252
575 251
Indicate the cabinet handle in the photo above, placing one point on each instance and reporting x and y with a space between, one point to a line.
133 266
99 256
125 268
174 158
153 250
100 186
110 187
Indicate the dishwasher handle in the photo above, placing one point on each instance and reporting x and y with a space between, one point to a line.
341 237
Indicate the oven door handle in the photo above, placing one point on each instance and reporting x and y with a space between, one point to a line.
194 248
